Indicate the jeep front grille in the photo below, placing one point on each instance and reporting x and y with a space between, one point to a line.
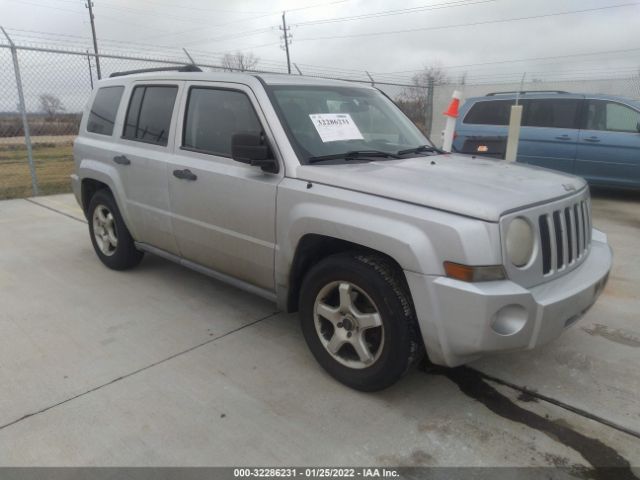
565 236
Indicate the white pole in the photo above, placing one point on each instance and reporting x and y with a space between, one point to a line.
513 135
450 127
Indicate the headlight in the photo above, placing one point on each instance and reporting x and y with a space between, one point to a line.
520 242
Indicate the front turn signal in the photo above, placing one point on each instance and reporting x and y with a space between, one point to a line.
467 273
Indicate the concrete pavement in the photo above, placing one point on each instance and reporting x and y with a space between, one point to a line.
163 366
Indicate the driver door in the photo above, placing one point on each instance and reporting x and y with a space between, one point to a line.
223 211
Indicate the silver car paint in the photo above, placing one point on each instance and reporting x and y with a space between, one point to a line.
243 225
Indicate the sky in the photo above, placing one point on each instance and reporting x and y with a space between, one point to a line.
497 39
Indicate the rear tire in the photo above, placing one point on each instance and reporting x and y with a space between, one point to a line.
358 320
110 237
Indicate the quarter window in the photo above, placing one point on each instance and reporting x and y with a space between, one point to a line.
611 116
551 113
494 112
149 114
102 116
213 116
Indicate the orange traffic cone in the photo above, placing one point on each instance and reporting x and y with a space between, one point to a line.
452 111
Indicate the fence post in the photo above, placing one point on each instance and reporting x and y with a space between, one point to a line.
428 110
373 82
23 112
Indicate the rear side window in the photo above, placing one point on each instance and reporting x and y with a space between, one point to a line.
149 114
551 113
611 116
495 112
213 116
102 116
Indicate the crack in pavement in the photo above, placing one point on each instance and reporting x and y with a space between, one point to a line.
531 395
68 215
607 463
139 370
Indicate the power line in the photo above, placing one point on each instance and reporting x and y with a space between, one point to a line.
403 11
552 57
232 22
487 22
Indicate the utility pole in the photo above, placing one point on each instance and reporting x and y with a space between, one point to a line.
286 37
428 113
90 72
89 5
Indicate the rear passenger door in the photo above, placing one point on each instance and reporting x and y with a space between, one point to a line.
223 211
144 151
609 148
549 133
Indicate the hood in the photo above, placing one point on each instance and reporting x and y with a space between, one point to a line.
475 187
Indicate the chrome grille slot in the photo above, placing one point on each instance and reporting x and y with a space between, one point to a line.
568 218
545 242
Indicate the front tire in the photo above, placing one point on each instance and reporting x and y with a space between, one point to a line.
358 320
110 237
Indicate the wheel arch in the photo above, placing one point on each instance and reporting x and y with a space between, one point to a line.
94 176
313 248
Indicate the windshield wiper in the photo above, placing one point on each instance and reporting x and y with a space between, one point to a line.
354 154
420 149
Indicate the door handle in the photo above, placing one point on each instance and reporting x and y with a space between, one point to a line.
121 160
563 137
592 139
185 174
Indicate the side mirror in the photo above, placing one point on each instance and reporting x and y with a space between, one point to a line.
250 148
638 127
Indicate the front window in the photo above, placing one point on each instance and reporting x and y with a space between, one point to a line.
612 117
325 120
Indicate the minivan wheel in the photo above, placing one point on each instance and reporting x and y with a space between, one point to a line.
358 320
110 237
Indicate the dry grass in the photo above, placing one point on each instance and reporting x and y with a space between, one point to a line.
53 163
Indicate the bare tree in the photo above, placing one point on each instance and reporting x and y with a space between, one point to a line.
51 105
239 61
414 100
435 71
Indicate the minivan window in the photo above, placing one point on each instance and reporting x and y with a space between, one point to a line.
149 114
102 115
495 112
550 112
611 116
213 116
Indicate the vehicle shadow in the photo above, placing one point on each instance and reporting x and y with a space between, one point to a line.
606 193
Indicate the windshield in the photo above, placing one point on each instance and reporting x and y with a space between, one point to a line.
325 120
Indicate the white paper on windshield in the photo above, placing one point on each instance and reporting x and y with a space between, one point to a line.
333 127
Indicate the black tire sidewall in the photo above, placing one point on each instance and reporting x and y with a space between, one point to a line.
125 255
395 357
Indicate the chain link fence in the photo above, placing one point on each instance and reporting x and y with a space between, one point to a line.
56 84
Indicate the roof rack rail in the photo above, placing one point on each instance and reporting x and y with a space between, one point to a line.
524 92
181 68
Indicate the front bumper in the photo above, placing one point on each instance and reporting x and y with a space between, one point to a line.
461 321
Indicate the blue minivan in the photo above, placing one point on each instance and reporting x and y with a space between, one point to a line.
594 136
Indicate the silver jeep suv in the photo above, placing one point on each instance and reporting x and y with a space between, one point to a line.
323 197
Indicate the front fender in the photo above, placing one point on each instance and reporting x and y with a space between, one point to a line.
419 239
